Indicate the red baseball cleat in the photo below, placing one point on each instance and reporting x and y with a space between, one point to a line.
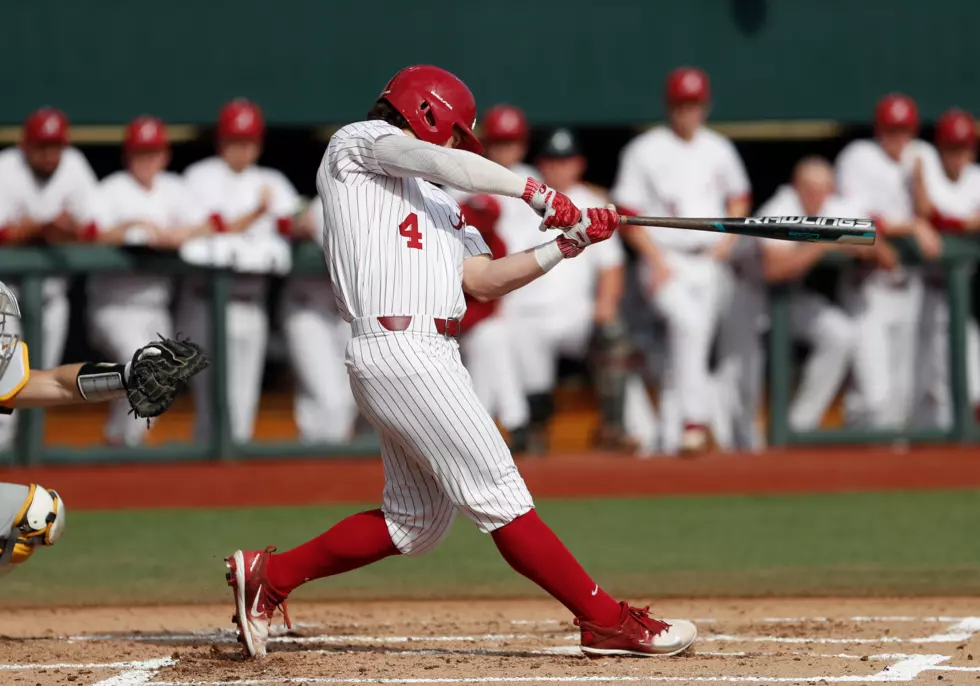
256 601
637 634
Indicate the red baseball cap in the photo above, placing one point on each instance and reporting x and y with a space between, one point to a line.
956 128
241 118
145 133
687 84
897 111
503 123
46 126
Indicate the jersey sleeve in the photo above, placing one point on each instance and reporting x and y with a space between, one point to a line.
314 216
473 243
201 184
186 208
854 180
733 174
351 150
82 200
630 187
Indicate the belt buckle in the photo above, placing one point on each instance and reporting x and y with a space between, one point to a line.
453 327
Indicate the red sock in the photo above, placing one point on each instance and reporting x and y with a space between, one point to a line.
354 542
534 551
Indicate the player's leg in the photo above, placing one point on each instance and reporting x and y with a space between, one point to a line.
248 333
425 398
54 322
537 362
193 319
488 352
907 311
315 338
30 516
739 361
832 336
932 396
868 306
639 416
973 363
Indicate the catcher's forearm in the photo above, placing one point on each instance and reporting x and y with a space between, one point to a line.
60 386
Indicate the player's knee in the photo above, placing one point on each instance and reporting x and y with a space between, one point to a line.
840 334
418 540
39 522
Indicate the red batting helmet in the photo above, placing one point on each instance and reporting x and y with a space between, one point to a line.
897 111
956 128
503 123
435 104
687 84
241 118
46 125
145 133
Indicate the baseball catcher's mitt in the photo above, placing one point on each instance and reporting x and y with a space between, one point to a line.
160 372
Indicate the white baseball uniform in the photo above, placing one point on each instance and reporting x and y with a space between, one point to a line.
395 249
660 175
229 195
316 337
885 304
953 202
824 326
128 311
70 189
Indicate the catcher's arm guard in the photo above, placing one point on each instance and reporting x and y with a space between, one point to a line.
39 520
159 372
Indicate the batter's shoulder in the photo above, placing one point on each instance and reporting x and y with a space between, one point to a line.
369 130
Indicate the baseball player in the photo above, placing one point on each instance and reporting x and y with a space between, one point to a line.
826 329
886 304
401 257
486 345
684 170
30 515
316 337
48 186
141 205
259 203
558 314
946 189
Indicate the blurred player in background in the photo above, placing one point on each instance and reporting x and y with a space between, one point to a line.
874 176
826 329
684 170
488 346
316 337
560 313
143 205
241 198
946 189
48 188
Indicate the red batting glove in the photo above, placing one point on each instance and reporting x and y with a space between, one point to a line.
556 210
597 225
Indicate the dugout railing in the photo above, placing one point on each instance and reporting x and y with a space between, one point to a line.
28 266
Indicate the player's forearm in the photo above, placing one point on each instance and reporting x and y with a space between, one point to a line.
47 387
401 156
787 265
487 279
739 205
18 233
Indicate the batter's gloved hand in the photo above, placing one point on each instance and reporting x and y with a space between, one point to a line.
556 210
159 372
597 225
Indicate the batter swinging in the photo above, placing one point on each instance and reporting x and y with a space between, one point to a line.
401 256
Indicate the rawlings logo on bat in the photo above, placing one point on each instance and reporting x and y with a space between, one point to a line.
813 221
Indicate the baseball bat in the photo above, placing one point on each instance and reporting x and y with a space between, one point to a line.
809 229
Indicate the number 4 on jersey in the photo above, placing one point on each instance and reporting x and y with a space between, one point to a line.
409 228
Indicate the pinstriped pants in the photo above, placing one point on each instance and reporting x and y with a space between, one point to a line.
440 449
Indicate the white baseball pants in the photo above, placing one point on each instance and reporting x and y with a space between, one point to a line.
118 331
440 449
488 351
316 338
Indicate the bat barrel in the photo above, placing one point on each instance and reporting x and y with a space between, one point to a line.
800 229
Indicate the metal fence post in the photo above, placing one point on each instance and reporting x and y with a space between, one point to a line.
780 371
958 294
222 445
30 423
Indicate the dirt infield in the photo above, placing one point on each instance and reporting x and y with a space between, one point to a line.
762 641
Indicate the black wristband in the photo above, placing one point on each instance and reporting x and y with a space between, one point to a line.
101 381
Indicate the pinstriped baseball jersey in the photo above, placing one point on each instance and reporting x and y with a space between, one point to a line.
393 246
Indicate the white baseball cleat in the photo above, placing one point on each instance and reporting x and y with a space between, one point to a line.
637 634
256 601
